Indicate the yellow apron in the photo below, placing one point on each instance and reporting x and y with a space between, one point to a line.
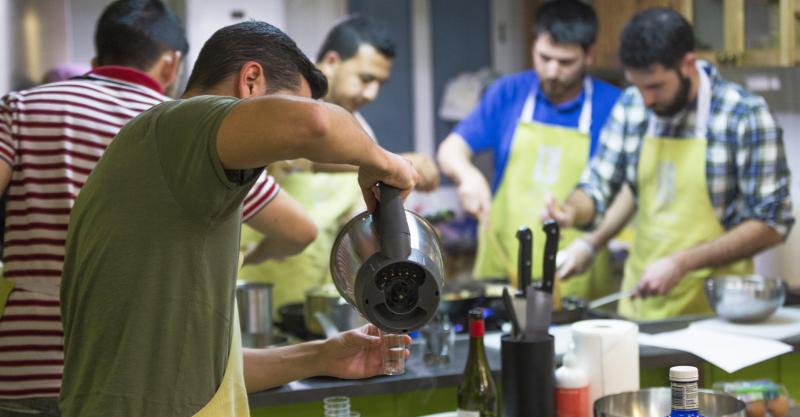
543 159
674 213
6 286
230 400
328 199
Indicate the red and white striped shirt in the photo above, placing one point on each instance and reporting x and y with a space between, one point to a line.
52 136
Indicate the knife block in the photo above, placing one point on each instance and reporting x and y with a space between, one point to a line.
528 377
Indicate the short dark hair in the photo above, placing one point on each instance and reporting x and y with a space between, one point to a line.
231 47
566 21
348 35
655 36
134 33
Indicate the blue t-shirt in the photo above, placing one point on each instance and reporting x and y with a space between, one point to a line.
492 123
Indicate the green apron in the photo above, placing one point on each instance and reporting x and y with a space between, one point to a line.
328 199
543 159
668 222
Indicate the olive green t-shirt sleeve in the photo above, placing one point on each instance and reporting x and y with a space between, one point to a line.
187 151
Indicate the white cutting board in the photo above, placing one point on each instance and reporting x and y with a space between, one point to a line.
785 323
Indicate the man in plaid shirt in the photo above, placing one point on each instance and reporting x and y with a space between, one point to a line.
705 160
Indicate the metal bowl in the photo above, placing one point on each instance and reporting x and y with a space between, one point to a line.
656 402
745 299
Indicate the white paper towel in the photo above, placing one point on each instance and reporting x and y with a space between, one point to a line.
608 351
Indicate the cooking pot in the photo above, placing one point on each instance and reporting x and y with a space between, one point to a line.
254 301
327 313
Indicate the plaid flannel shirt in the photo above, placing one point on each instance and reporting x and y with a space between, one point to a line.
746 170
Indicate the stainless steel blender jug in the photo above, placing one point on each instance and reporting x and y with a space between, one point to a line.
388 265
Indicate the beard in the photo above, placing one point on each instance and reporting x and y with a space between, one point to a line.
678 103
556 90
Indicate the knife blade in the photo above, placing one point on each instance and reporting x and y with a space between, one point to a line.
608 299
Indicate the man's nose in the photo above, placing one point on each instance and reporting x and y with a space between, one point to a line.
370 92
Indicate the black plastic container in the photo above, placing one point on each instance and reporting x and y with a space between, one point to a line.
528 377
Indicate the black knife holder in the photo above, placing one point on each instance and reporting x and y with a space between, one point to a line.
528 377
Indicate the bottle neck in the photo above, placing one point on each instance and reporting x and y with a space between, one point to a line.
476 332
684 398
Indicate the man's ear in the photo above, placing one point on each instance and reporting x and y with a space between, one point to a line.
329 62
93 63
589 55
688 64
252 81
170 67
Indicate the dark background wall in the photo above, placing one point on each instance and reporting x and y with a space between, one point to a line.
391 114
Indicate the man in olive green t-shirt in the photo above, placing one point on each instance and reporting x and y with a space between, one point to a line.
147 295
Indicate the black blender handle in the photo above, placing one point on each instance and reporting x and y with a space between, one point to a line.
524 262
551 230
392 224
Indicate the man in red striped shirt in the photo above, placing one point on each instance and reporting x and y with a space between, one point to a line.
51 137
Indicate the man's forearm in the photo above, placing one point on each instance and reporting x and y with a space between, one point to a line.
455 158
582 207
743 241
268 368
616 218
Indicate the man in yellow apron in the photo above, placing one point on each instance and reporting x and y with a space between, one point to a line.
356 58
147 295
541 126
706 161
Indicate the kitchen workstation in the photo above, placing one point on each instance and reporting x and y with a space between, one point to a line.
400 208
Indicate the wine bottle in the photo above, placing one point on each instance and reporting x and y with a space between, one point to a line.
477 392
683 380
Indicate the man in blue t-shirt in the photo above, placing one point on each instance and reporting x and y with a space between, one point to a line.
542 127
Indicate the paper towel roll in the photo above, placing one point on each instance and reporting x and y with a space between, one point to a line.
608 351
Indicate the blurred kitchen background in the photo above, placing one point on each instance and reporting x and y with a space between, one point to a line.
441 43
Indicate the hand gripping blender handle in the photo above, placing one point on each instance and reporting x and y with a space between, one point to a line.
392 224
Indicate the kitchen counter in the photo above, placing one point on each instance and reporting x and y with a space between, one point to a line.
419 376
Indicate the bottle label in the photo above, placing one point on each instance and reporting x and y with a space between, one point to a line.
572 402
684 395
465 413
476 329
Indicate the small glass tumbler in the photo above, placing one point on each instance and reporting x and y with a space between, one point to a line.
338 406
394 353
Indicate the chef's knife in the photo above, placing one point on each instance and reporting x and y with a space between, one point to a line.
525 238
551 231
611 298
512 313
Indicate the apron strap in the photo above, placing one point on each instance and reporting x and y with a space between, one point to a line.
585 119
703 111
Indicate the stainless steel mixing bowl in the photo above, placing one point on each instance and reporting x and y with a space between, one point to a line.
656 402
745 299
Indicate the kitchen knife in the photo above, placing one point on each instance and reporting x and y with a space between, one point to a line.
512 313
611 298
551 231
539 311
524 264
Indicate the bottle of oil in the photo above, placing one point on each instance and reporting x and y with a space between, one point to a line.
683 380
477 393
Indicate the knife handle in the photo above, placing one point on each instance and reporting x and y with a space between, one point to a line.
551 231
524 263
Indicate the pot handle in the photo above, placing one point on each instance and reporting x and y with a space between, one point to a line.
392 224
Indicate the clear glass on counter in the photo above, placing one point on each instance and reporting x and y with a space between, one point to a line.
439 337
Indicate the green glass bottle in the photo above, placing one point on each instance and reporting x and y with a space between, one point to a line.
477 392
